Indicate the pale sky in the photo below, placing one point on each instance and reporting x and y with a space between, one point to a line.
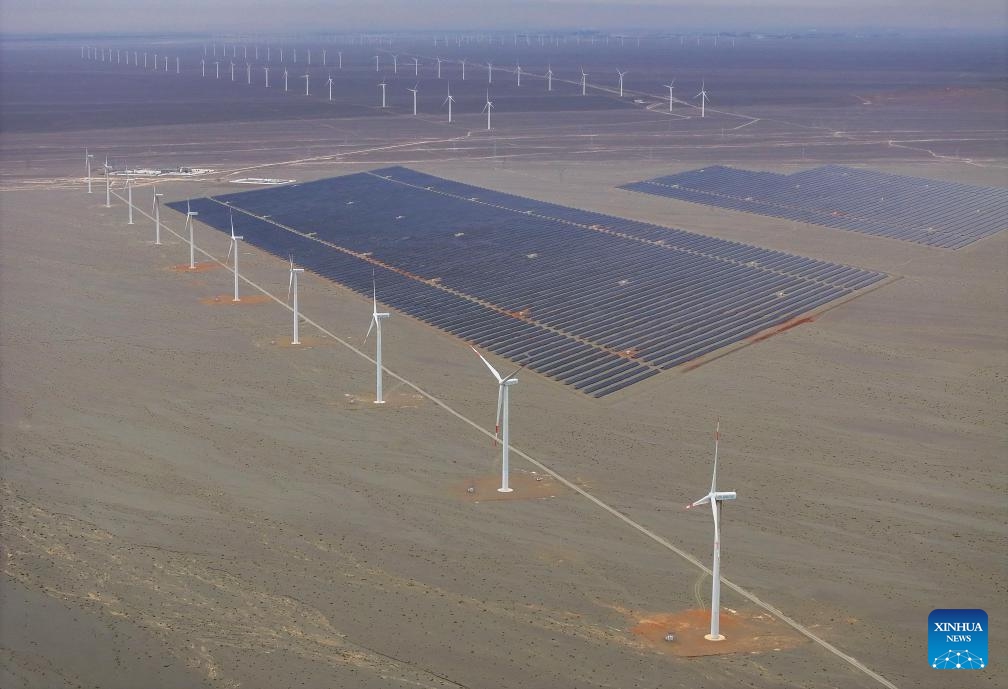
226 16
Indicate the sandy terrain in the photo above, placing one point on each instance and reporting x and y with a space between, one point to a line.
187 501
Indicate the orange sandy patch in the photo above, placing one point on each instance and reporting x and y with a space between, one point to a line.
527 486
223 299
743 632
200 267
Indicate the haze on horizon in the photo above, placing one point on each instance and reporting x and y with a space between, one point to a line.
229 16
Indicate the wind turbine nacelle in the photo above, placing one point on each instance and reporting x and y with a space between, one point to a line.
724 495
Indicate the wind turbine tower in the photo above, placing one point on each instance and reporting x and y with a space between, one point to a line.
715 498
670 86
487 108
292 291
87 160
414 92
703 98
190 214
449 100
157 217
234 247
621 75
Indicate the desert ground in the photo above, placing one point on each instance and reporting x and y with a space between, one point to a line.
188 500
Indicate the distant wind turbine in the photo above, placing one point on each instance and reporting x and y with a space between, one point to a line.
487 108
449 100
703 98
156 207
414 91
584 81
87 161
621 75
292 291
670 86
234 247
376 321
190 214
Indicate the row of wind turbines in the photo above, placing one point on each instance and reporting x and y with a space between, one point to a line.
715 498
437 63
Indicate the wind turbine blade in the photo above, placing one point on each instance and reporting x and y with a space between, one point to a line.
370 326
231 246
290 284
374 292
492 369
500 402
717 440
513 373
702 501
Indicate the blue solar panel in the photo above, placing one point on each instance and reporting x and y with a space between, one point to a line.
592 300
942 214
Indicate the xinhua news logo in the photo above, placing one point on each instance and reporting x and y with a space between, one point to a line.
957 639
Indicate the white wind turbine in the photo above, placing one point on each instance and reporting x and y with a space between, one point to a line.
449 100
395 64
340 53
108 185
202 67
584 81
190 214
156 207
216 66
414 92
670 86
87 160
487 108
232 70
305 77
518 72
376 319
266 70
462 61
703 98
248 73
330 88
234 248
376 63
416 67
438 67
292 291
502 430
383 85
489 72
129 198
549 78
715 498
285 79
621 75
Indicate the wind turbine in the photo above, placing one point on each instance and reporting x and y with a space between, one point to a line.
266 69
449 100
340 53
487 108
462 61
376 319
489 72
330 88
518 72
190 214
376 63
584 81
621 75
703 98
292 290
202 66
549 78
438 67
157 217
305 84
248 73
129 198
108 185
232 70
670 86
416 67
87 160
395 64
501 428
234 247
285 80
216 66
383 85
414 91
715 498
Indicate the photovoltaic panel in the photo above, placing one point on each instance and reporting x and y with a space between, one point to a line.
936 213
595 301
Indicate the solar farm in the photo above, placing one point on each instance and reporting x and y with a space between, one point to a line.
594 301
942 214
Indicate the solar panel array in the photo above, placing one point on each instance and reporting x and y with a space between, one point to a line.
594 301
936 213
